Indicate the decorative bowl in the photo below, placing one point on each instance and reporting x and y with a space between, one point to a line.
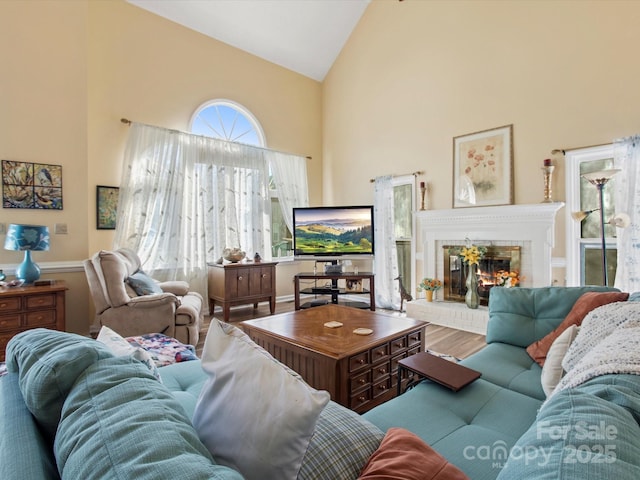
233 255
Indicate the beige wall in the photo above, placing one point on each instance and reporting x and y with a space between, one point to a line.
71 70
415 74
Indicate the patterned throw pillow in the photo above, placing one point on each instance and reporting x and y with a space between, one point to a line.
341 445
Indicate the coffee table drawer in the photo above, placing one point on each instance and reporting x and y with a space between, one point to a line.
398 344
381 387
359 399
379 353
360 381
358 361
381 371
414 338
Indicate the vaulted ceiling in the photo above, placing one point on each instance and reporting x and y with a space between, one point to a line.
305 36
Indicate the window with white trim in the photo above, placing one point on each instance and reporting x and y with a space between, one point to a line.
228 120
583 238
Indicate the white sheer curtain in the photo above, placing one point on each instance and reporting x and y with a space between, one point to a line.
386 257
627 199
290 177
184 198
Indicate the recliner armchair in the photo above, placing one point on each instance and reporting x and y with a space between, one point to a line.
175 312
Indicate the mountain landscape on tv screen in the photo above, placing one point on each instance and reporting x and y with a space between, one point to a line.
334 236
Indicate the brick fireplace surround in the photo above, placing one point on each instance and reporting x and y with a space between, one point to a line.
529 226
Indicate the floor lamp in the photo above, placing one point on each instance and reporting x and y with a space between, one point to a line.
600 179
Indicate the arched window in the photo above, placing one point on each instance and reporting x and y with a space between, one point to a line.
227 120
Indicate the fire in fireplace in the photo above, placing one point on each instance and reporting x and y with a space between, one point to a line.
499 266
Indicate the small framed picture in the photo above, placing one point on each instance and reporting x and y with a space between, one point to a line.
483 168
106 207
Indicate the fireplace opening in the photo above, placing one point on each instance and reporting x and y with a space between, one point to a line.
499 266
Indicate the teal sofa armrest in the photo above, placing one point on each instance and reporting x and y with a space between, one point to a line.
520 316
24 453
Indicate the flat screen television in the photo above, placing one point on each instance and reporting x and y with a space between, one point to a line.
333 233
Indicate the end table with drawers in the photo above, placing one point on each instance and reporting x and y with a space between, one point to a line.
28 306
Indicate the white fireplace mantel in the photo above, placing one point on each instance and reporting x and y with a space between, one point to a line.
529 226
534 224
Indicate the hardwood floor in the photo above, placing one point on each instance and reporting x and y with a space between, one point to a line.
454 342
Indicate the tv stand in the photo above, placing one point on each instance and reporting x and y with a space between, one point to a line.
333 290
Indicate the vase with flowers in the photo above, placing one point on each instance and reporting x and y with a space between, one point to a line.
430 285
471 255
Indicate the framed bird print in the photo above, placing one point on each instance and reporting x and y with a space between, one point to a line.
106 207
31 185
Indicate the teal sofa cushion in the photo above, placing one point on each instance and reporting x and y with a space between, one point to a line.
590 431
520 316
462 426
508 366
118 422
24 453
185 381
48 363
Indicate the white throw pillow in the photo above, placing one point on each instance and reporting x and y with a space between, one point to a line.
120 347
254 414
552 370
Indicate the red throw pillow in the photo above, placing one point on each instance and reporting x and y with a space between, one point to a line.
588 301
403 455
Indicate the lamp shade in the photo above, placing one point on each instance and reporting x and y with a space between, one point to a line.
27 238
600 177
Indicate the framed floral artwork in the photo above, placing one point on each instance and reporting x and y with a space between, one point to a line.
483 168
106 207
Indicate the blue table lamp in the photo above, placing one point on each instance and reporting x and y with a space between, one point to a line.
28 238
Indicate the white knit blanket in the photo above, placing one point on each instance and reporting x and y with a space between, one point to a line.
608 342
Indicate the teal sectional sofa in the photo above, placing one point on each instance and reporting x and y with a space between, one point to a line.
493 428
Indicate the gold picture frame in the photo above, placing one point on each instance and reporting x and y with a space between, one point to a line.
483 168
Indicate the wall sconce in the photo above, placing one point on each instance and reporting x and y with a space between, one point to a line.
621 220
27 238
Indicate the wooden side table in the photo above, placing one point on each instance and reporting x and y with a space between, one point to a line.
26 307
242 283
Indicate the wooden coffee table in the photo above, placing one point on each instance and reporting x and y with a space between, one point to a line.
359 371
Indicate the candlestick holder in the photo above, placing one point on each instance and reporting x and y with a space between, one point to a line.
423 191
547 172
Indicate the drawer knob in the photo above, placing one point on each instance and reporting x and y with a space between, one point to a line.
3 305
415 338
362 381
362 398
382 370
382 387
361 361
380 353
240 278
399 345
264 275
